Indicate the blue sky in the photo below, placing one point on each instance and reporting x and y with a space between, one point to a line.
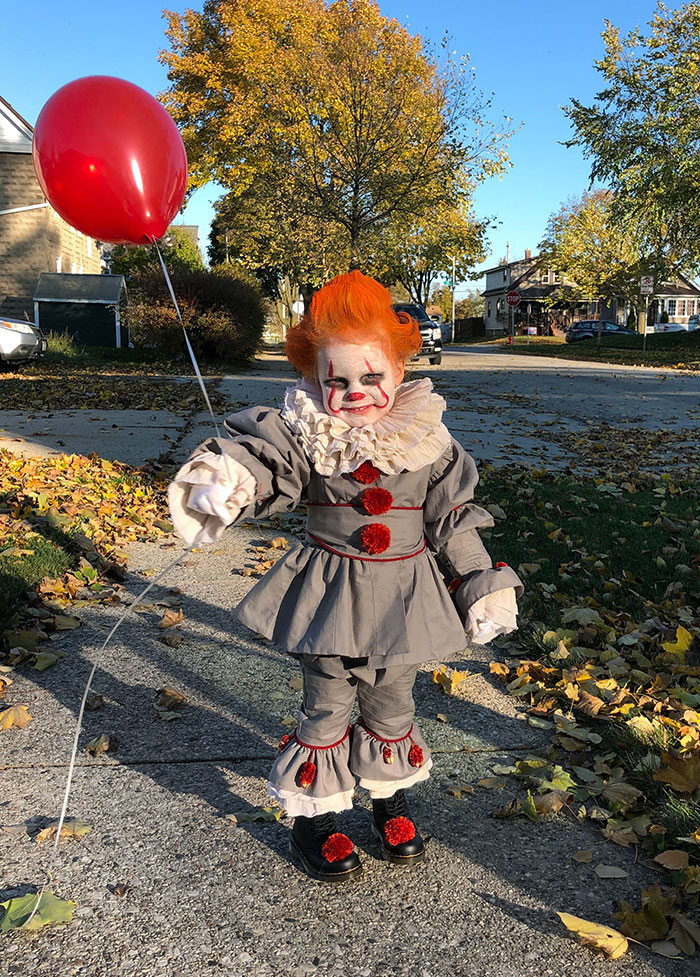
533 57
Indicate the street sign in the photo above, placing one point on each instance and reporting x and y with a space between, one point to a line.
646 284
513 299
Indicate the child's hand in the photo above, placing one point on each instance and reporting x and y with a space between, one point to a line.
211 499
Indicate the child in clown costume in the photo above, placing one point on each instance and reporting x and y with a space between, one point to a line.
361 602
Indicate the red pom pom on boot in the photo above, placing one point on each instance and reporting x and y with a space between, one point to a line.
325 853
400 840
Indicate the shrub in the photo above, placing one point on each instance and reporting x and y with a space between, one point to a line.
223 314
632 321
664 316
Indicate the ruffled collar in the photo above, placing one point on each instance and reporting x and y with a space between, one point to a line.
409 437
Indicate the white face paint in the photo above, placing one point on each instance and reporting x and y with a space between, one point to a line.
358 381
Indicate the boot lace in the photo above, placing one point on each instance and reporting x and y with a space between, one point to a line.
396 806
323 824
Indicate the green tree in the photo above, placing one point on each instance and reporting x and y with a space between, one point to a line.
333 112
642 132
598 259
416 255
177 247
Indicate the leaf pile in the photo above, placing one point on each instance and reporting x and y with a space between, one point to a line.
95 391
608 660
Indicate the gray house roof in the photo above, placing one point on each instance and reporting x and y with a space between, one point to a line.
104 289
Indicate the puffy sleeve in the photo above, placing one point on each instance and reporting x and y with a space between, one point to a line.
258 470
452 524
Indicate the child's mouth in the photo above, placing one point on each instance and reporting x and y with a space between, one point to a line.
357 410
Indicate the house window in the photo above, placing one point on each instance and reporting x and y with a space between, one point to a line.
505 274
681 307
488 310
80 270
557 277
544 277
89 247
671 306
72 267
59 262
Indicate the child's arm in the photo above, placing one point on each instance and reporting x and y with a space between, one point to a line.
258 470
486 596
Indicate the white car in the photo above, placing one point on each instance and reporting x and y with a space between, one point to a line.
20 341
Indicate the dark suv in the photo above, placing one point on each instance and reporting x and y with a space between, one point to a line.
430 331
588 329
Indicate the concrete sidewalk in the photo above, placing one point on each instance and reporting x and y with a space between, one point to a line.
209 897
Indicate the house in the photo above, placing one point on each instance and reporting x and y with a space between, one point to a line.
539 286
33 238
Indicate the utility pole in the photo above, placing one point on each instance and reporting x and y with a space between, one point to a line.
452 330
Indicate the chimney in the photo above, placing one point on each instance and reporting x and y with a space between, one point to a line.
528 254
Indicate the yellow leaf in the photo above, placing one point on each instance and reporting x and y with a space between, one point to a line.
491 783
15 716
680 773
66 622
583 857
612 943
51 910
675 650
71 828
448 680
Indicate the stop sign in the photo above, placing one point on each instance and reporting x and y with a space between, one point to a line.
513 299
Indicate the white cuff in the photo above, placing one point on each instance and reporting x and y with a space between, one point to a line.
299 805
207 494
387 788
494 614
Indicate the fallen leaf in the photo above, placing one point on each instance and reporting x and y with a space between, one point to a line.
66 622
492 783
15 716
258 814
583 856
296 683
94 701
612 943
441 717
680 773
460 790
105 742
610 872
170 618
71 828
673 859
448 680
288 721
51 910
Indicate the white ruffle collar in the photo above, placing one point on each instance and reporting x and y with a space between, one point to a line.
409 437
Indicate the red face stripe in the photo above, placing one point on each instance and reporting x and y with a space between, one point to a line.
379 386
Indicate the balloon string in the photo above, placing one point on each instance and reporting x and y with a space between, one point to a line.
195 364
137 600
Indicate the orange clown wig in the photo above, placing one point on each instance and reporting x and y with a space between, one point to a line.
356 309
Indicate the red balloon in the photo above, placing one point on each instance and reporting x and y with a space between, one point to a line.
110 160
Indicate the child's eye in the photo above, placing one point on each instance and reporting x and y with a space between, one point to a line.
372 378
335 382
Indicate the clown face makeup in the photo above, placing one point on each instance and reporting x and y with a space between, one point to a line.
358 381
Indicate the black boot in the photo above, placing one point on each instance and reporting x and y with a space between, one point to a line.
325 854
401 841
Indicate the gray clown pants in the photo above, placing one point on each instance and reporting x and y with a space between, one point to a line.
317 767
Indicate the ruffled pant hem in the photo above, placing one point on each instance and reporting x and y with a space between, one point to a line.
301 805
387 788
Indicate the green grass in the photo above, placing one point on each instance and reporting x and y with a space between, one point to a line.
52 554
65 354
675 349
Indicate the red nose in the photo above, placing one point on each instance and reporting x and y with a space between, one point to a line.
355 396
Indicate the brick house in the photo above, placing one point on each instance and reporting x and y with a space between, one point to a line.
33 238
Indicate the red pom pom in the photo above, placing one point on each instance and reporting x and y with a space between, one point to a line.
375 537
376 501
415 756
336 847
306 774
366 473
388 755
399 830
284 742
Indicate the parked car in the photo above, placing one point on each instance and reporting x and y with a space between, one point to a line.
690 326
20 341
588 329
430 331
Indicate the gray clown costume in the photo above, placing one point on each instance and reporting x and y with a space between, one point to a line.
361 602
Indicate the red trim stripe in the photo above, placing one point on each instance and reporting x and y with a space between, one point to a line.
380 738
352 505
332 745
366 559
